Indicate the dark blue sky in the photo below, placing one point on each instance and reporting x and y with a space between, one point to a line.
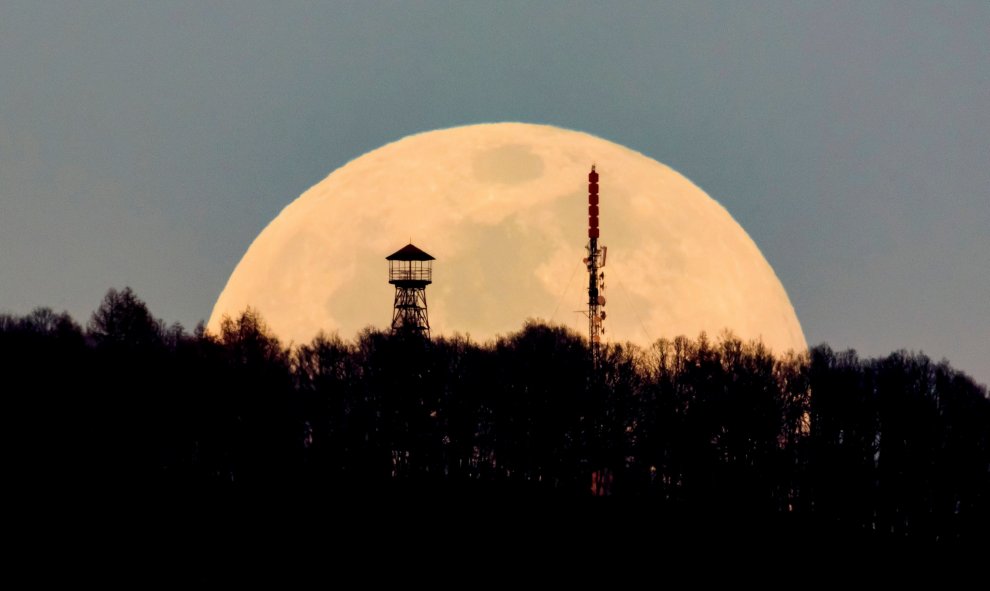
146 144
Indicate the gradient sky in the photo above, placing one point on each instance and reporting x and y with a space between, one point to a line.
147 144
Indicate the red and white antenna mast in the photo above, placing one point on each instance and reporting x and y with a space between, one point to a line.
596 278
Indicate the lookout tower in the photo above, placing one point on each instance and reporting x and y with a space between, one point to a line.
410 270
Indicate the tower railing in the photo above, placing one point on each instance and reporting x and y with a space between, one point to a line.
401 271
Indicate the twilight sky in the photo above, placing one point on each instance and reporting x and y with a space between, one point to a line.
147 144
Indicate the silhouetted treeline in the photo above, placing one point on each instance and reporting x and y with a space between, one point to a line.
895 446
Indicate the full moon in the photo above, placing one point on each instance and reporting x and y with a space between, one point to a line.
503 208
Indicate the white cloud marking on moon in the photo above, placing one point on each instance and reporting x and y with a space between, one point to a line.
503 208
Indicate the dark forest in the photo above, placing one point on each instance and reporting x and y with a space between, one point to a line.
897 446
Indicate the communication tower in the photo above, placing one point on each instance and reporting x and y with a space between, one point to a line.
596 277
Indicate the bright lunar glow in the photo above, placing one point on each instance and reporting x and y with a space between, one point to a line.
503 208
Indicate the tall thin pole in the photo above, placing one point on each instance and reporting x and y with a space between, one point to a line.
600 477
596 279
